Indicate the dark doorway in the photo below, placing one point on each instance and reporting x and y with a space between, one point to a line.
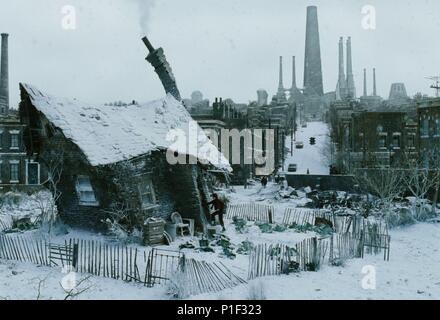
33 174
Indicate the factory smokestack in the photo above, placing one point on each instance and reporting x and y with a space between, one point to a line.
313 85
351 90
374 82
295 93
365 82
281 94
341 89
293 73
280 80
157 59
4 73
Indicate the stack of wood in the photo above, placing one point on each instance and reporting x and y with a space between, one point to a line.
154 232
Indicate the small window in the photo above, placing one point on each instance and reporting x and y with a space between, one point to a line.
146 193
424 130
85 192
14 171
14 141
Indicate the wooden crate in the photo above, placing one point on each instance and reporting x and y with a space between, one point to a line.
154 232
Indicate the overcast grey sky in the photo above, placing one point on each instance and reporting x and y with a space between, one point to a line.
226 48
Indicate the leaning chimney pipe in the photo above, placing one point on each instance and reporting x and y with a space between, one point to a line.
148 44
157 59
4 75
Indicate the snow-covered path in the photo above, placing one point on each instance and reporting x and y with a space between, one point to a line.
310 157
413 272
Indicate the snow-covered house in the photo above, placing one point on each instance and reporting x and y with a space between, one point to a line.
114 158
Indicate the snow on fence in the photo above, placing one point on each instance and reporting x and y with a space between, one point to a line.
111 260
305 216
5 222
150 267
374 243
344 246
162 264
202 277
357 224
85 256
268 260
251 212
169 267
312 253
24 249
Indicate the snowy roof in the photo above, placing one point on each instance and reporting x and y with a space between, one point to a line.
109 134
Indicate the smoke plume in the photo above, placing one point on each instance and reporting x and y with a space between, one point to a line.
144 8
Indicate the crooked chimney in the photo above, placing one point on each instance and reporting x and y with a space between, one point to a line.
4 74
157 59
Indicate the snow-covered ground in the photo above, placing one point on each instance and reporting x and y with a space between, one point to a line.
22 280
310 157
19 205
413 272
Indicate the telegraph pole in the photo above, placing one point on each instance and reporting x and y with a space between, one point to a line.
436 85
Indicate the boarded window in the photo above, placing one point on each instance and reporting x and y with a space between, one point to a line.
146 192
85 192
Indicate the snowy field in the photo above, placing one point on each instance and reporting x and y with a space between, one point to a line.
310 157
412 273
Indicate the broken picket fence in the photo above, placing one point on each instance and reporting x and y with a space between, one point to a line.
149 267
251 212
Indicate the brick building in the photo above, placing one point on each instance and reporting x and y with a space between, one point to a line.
365 139
428 119
17 168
